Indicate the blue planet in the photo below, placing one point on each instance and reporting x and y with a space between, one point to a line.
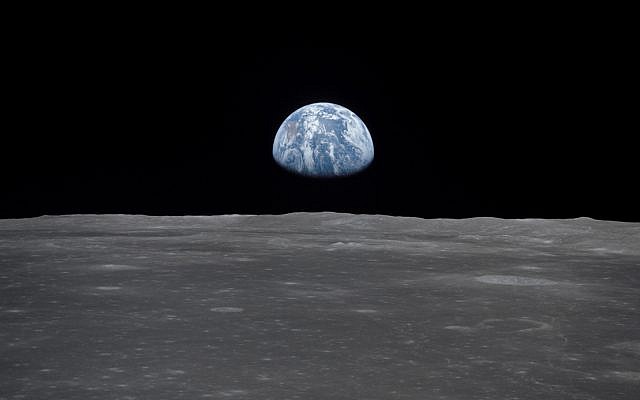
323 140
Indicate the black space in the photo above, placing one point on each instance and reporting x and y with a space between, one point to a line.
513 126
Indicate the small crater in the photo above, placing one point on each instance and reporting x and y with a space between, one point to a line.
233 393
115 267
629 347
242 259
629 376
514 280
341 245
604 250
497 325
459 328
175 372
227 309
513 325
529 268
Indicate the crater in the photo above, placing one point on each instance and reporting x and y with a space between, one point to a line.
227 309
514 280
114 267
529 268
628 347
631 376
512 325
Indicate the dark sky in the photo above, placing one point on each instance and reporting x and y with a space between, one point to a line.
504 126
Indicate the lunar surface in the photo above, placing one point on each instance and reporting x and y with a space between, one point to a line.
318 306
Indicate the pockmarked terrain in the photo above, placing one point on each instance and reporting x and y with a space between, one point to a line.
318 306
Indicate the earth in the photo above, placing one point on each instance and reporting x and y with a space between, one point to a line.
323 140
